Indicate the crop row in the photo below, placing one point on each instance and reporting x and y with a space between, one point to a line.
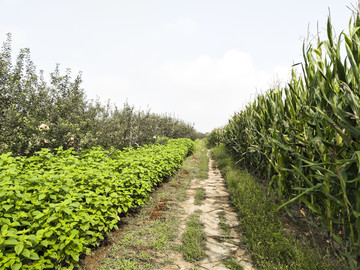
304 138
54 207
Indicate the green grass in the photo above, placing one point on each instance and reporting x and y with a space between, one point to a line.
194 239
263 232
232 264
196 165
135 249
148 243
200 195
224 227
202 159
128 264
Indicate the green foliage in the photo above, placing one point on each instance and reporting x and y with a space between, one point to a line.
194 239
54 207
200 195
304 139
35 114
270 246
155 227
128 127
214 137
224 227
232 264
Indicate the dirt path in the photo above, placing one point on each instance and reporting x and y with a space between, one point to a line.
221 244
151 237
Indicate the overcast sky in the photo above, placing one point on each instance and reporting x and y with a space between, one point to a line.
200 60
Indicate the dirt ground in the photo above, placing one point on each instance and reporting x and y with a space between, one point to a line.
174 201
219 246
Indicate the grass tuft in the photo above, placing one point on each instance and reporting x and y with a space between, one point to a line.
202 159
224 227
232 264
270 245
200 195
194 239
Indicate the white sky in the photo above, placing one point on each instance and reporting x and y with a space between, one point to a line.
200 60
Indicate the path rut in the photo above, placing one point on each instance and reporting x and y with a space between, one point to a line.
219 246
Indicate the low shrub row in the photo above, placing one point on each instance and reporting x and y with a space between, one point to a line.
54 207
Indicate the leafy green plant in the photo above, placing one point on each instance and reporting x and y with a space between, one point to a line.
214 137
232 264
271 246
54 207
36 113
304 138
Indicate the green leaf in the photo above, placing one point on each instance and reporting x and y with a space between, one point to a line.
75 256
75 204
329 32
11 242
52 218
19 248
353 63
38 216
34 256
311 206
67 211
33 238
7 207
65 216
356 213
337 238
307 191
15 224
4 228
45 243
26 253
357 155
16 266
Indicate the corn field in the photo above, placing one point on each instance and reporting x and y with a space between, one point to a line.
304 138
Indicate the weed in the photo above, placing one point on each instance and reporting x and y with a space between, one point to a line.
182 196
232 264
224 227
204 164
122 263
200 160
194 239
140 241
200 195
270 246
193 167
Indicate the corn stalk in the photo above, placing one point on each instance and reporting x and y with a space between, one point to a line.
304 139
